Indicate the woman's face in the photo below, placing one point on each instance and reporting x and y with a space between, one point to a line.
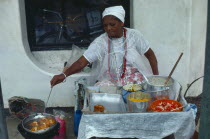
113 26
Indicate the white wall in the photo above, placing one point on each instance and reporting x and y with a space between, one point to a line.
173 27
170 26
21 73
197 44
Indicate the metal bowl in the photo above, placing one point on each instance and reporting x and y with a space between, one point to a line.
156 82
36 117
156 87
138 102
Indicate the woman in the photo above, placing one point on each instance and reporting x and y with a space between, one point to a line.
116 54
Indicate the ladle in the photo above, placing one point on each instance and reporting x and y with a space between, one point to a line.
48 99
169 76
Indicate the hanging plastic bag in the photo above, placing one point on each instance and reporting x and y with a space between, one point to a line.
75 55
60 117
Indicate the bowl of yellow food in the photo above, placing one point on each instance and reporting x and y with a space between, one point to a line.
138 101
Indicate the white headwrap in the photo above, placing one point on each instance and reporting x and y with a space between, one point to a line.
117 11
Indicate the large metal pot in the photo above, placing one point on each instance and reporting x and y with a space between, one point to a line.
36 117
157 88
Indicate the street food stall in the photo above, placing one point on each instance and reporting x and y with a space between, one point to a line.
134 111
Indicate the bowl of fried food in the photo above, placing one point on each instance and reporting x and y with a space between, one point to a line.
39 123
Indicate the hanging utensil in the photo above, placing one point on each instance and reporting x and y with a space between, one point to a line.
169 76
48 98
179 108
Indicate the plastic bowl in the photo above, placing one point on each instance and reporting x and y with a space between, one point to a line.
166 105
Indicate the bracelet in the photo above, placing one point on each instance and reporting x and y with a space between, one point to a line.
64 76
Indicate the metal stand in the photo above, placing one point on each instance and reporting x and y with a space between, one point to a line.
3 124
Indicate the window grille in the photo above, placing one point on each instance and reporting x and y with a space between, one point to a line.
57 24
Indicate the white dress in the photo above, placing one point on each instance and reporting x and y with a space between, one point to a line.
107 58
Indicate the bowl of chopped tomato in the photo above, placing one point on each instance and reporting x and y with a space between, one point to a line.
166 105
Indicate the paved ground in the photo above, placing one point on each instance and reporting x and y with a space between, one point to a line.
12 123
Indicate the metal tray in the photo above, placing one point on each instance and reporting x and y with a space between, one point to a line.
111 102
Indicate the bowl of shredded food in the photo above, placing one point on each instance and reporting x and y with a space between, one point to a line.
166 105
138 101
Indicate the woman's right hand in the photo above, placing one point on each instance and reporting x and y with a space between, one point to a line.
74 68
57 79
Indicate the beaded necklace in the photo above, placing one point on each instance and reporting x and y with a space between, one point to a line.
124 57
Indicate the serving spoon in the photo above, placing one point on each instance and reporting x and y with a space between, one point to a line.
179 108
169 76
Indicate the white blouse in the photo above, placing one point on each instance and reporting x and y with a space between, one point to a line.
98 54
99 47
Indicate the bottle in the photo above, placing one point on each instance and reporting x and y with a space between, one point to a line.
62 129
